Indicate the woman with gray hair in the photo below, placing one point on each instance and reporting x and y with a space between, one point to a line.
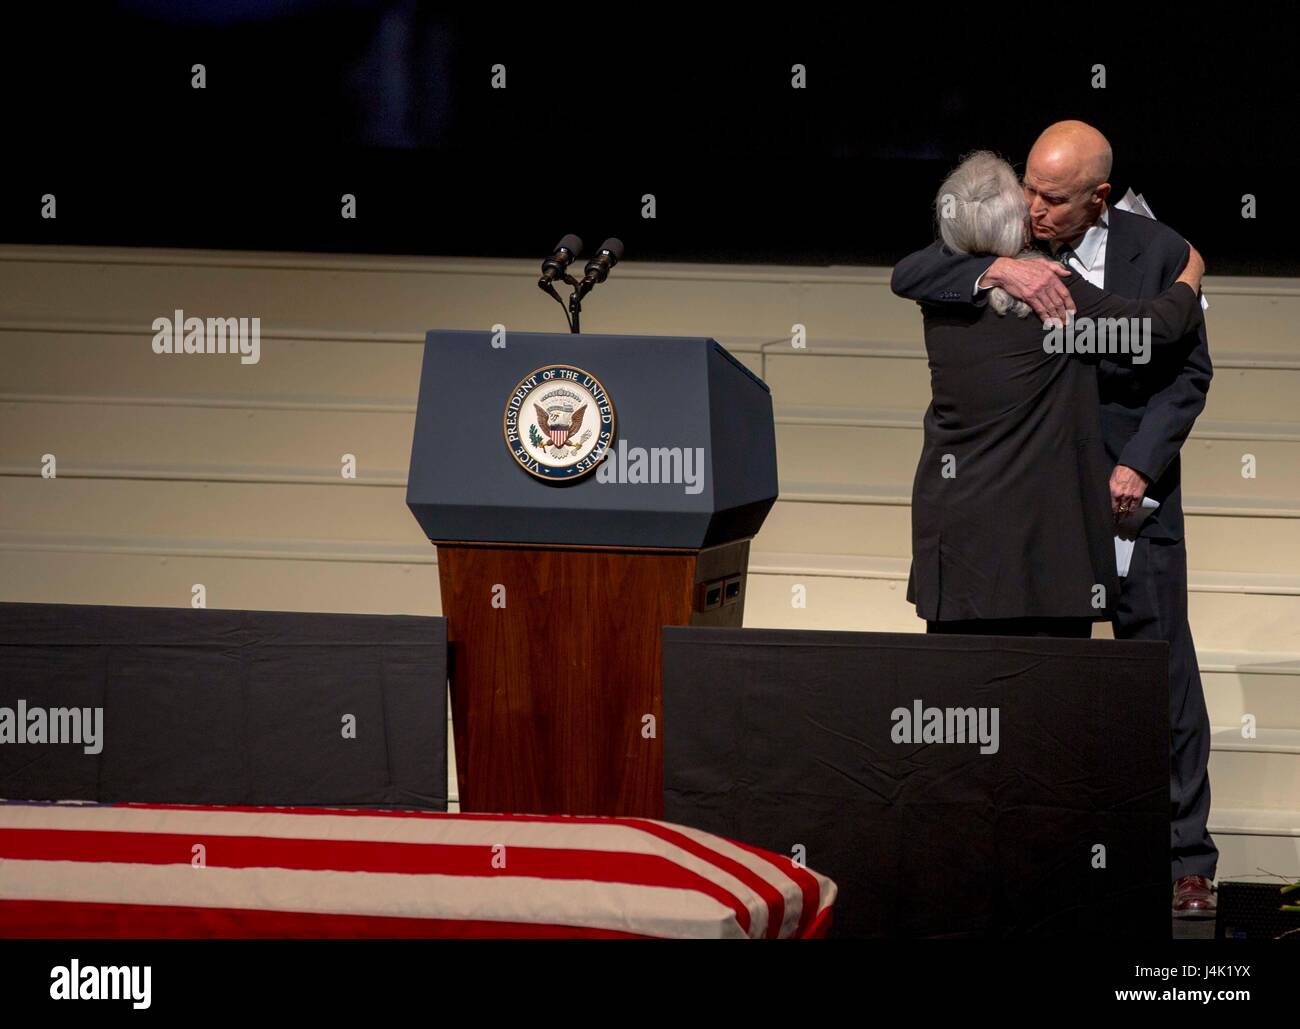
1012 531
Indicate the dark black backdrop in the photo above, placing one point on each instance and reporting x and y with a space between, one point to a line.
308 99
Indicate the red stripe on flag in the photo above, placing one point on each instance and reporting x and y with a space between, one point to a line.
804 879
27 919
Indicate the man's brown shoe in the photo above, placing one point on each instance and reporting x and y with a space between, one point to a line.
1194 897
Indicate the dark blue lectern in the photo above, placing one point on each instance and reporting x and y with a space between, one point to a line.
583 492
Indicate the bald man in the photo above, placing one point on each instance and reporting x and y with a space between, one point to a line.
1146 413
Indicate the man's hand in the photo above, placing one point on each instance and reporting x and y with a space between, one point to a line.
1194 270
1127 488
1037 283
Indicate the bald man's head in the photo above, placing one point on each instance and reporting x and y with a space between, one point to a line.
1073 149
1067 181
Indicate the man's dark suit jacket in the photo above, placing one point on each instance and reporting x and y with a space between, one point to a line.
1146 411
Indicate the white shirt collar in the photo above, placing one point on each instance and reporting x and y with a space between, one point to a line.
1086 252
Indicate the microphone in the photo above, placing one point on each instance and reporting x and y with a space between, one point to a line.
598 268
555 266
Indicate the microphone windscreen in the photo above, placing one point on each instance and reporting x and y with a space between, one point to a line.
571 243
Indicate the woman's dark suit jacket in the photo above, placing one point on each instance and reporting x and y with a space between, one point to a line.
1021 525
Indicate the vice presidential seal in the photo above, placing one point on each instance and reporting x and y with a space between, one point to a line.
559 422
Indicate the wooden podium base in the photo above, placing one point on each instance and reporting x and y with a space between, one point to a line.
556 673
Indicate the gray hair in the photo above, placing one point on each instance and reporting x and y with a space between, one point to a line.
981 210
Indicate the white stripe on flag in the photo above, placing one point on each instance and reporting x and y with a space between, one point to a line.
648 910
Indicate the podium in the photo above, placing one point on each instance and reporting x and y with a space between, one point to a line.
583 492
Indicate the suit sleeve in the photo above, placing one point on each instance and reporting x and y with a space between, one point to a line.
1173 409
1173 316
937 275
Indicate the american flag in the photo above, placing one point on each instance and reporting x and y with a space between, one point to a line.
159 871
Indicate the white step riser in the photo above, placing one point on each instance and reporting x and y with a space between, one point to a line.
195 439
270 441
117 365
200 512
901 384
1245 621
1220 621
349 510
1249 857
124 366
797 527
1237 323
1214 542
851 455
1254 779
244 584
1274 700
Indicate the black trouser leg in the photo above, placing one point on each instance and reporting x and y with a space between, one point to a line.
1153 606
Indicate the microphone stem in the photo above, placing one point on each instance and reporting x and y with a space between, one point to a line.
575 308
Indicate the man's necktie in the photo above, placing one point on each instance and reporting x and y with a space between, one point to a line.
1063 255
